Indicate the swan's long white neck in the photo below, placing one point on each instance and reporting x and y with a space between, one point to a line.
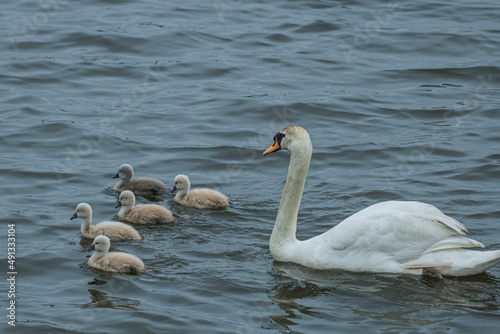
285 227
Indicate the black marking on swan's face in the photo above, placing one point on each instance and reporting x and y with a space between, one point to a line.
279 137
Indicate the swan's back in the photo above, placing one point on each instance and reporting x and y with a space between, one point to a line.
424 210
405 230
203 198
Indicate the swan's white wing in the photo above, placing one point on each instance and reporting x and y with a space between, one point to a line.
402 230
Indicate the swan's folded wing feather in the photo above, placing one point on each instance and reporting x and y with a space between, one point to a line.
456 241
428 265
404 229
418 209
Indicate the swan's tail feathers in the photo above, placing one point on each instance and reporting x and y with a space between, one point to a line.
456 241
485 261
456 262
493 258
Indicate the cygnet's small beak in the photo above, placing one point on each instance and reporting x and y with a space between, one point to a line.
90 248
118 205
117 175
174 189
74 216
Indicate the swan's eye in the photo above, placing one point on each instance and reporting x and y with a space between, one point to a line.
279 137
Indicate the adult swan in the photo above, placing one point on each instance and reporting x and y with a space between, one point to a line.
391 237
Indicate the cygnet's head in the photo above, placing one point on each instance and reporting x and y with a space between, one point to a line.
127 198
83 210
181 182
290 138
125 172
101 244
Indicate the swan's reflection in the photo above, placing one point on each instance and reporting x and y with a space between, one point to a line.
405 299
286 295
104 300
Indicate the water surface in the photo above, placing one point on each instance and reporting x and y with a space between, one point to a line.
400 99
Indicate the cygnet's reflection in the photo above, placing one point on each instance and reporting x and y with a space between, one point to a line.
104 300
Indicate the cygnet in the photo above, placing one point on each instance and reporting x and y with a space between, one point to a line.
201 198
143 213
114 230
114 261
143 186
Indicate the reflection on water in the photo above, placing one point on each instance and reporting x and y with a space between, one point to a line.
286 295
406 299
104 300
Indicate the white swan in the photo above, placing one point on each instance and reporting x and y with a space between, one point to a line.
201 198
114 230
392 237
114 261
142 186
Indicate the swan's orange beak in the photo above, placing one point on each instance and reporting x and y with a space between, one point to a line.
274 147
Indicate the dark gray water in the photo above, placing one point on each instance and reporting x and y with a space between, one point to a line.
400 99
